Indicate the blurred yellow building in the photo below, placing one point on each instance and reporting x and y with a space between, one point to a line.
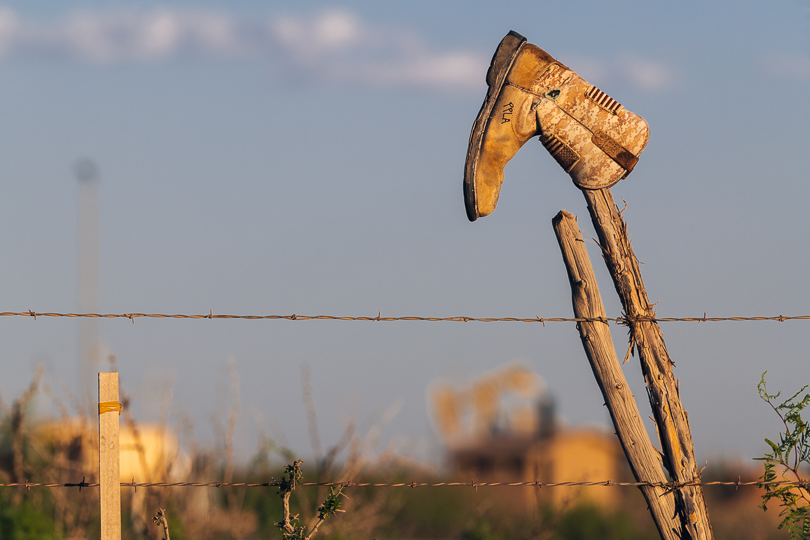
575 455
502 428
148 453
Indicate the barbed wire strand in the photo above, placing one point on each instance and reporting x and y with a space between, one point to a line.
604 483
379 318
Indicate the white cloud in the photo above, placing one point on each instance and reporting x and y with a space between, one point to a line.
330 45
338 45
121 36
644 73
9 24
792 67
311 38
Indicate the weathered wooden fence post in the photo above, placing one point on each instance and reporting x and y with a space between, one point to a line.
108 458
619 399
662 387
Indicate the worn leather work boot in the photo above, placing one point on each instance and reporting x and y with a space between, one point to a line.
591 136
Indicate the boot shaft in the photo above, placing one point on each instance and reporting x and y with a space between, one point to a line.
592 137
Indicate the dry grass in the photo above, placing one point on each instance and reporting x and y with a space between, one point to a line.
30 453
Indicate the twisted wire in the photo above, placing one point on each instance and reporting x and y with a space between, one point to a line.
379 318
604 483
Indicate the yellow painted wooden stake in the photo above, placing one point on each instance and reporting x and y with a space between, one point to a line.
108 457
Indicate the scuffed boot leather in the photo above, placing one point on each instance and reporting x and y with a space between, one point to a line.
593 138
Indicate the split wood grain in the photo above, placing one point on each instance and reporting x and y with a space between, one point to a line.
656 365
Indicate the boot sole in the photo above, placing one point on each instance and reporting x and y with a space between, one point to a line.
499 68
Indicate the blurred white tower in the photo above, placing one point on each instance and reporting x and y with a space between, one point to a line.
88 256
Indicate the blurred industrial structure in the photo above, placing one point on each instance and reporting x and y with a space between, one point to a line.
502 427
88 269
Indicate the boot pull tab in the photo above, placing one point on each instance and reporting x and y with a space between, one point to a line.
614 150
602 100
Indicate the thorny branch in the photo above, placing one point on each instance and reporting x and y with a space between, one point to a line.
160 519
788 457
290 530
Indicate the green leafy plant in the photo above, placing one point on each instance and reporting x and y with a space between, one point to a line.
290 530
788 461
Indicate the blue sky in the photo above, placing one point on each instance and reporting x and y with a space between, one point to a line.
307 158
